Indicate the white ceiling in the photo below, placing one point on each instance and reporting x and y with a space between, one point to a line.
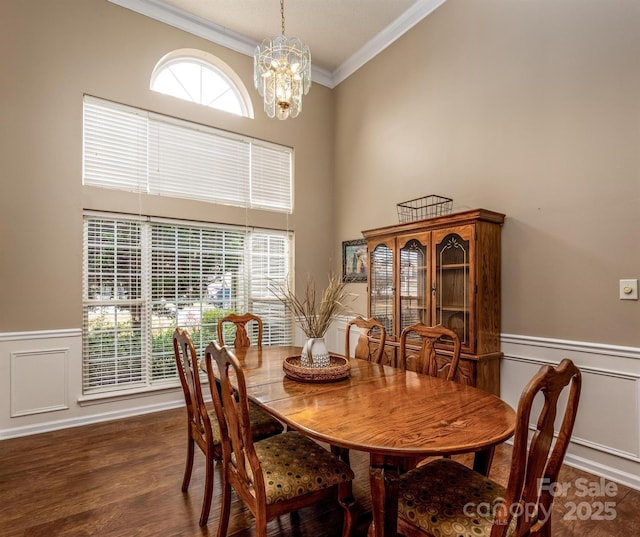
342 34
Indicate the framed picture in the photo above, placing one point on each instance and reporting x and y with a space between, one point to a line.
354 261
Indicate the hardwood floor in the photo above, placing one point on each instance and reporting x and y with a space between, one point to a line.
122 479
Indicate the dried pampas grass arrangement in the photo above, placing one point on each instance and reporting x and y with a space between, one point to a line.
314 316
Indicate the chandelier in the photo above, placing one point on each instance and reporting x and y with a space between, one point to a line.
282 73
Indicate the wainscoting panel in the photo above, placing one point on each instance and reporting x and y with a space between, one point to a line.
606 438
612 403
41 390
39 381
41 386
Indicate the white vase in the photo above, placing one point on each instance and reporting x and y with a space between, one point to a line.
315 353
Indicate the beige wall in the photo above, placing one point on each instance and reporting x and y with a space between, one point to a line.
530 108
54 52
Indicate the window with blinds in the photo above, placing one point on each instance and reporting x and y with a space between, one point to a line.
144 276
131 149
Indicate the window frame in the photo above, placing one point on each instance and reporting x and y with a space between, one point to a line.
279 328
213 63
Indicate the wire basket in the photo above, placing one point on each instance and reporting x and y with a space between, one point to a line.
424 207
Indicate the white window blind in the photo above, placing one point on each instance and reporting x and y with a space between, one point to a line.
144 277
269 254
115 147
131 149
114 306
271 166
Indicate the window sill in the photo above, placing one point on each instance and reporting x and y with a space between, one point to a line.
123 395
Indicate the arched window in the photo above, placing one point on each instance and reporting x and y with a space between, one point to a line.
200 77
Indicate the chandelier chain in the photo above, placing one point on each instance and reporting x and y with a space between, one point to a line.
282 14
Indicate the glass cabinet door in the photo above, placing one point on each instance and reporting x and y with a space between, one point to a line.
413 281
452 292
381 288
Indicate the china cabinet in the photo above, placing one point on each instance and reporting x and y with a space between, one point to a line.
443 270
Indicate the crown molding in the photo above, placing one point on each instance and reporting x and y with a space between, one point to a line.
178 18
183 20
386 37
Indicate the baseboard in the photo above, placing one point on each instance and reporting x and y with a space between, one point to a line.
608 472
56 425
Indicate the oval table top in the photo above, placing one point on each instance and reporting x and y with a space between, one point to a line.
379 409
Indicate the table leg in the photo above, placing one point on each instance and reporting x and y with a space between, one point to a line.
483 459
383 480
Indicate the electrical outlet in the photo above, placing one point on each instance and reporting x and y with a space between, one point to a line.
628 289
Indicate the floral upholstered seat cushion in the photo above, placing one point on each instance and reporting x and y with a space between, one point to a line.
293 465
445 498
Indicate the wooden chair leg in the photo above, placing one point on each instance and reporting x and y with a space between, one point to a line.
261 524
225 508
188 465
208 489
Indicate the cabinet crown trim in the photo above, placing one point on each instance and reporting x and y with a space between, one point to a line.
457 218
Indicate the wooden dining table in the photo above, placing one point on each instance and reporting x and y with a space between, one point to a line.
393 415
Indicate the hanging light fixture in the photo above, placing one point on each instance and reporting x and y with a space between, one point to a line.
282 73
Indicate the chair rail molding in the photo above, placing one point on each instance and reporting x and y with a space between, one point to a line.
575 346
40 334
606 438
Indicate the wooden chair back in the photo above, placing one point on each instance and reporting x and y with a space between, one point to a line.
290 485
435 497
199 425
365 348
425 361
187 365
242 340
535 463
232 408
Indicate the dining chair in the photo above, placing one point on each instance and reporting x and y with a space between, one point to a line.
445 497
202 424
425 361
369 330
242 340
371 339
274 476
